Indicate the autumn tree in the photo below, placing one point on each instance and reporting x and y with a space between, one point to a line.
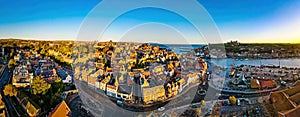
10 90
203 102
56 90
198 111
2 104
232 100
11 64
52 96
12 52
39 85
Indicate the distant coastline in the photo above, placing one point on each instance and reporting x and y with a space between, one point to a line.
250 43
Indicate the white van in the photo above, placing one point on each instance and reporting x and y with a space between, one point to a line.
238 102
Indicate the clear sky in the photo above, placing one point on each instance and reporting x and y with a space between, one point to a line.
244 20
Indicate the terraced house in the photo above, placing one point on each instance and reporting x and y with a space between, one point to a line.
21 76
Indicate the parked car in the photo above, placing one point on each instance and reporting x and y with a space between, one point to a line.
208 113
160 109
225 103
238 102
120 103
84 109
283 83
257 110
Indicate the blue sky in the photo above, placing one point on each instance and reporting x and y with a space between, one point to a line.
243 20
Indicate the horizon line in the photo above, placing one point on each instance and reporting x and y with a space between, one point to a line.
35 39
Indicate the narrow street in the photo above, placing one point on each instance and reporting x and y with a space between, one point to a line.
5 78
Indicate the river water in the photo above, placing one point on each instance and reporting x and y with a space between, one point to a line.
287 62
284 62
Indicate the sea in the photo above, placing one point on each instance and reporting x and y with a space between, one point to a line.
282 62
179 48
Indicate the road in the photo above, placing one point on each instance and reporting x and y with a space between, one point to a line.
137 91
5 78
100 105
